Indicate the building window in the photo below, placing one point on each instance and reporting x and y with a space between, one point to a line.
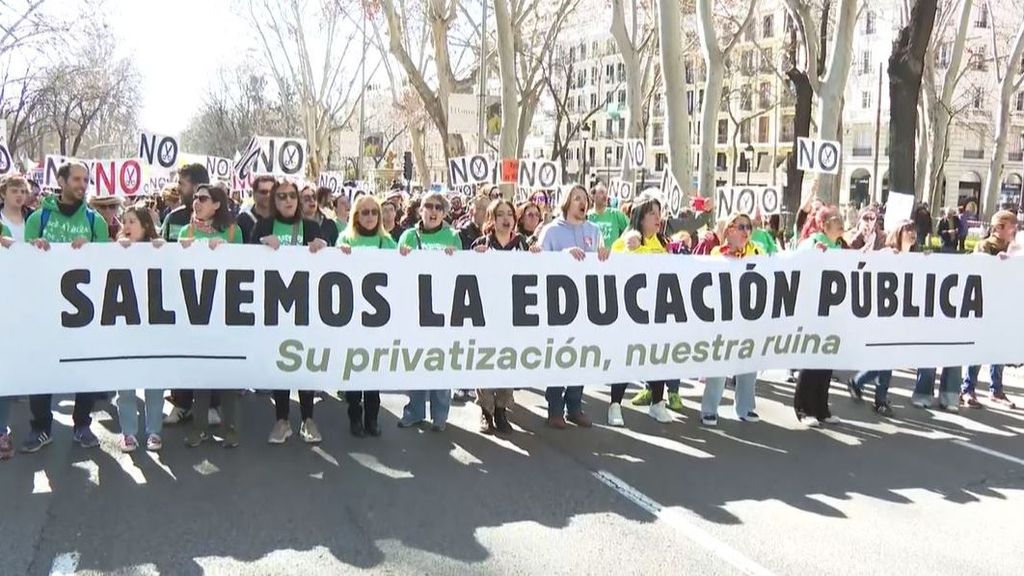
571 104
869 22
658 135
748 34
943 57
768 26
978 98
981 16
609 71
723 131
622 96
618 155
765 95
721 164
745 130
745 100
763 124
689 101
583 51
1019 104
978 62
622 127
865 99
688 71
767 57
580 102
593 100
622 72
865 62
787 129
747 64
593 76
608 128
608 97
660 160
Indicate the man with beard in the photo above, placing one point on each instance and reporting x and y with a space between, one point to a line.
189 176
260 208
64 219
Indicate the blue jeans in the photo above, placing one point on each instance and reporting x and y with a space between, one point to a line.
5 412
745 396
949 386
995 371
416 409
883 377
128 412
564 399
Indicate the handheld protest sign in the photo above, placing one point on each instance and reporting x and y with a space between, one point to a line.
821 156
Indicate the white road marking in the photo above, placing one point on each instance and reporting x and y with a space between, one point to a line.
371 463
65 564
41 483
91 469
990 452
678 520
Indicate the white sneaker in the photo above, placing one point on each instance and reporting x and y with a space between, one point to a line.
833 419
615 415
812 423
922 403
660 413
281 432
177 416
309 433
213 417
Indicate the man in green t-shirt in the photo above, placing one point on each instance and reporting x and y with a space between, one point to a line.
611 221
64 219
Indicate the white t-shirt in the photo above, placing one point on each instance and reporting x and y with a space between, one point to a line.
17 230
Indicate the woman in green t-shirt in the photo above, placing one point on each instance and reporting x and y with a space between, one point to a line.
211 218
430 233
287 227
364 230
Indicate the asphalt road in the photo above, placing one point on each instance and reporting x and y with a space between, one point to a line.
924 493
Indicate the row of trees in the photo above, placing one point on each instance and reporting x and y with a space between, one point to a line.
64 87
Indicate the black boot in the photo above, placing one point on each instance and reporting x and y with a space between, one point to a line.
356 428
371 426
355 419
501 422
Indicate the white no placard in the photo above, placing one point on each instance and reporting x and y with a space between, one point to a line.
821 156
749 200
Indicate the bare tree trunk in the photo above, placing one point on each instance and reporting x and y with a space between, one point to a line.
801 129
417 138
677 122
906 67
508 146
1009 85
830 95
923 133
631 60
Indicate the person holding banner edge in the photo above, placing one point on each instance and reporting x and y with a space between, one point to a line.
643 236
573 234
287 226
365 230
64 219
14 192
430 233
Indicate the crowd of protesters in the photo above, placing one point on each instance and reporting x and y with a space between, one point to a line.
584 224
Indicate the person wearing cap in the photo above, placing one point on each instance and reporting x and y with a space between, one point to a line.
110 208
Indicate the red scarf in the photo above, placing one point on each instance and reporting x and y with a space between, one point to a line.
202 226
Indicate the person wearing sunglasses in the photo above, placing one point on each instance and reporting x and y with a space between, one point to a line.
430 233
109 207
902 240
811 396
211 218
869 236
288 226
543 201
190 177
528 218
261 207
365 230
310 202
736 244
998 243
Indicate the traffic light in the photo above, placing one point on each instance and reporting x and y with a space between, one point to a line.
407 166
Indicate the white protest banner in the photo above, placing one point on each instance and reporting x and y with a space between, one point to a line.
475 169
91 319
53 162
636 152
154 181
818 155
220 169
462 114
749 200
672 192
117 177
6 162
898 208
158 150
618 188
334 181
539 174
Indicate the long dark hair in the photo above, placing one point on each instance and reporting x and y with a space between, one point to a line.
222 219
145 218
521 211
492 215
274 212
640 208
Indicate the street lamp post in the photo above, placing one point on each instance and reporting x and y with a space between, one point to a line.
749 151
585 134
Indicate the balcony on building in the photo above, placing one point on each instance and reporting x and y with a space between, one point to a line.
863 151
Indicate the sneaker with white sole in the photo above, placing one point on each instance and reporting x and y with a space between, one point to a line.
154 443
615 415
281 432
833 419
309 433
921 403
660 413
213 417
710 420
751 417
177 416
85 438
129 444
